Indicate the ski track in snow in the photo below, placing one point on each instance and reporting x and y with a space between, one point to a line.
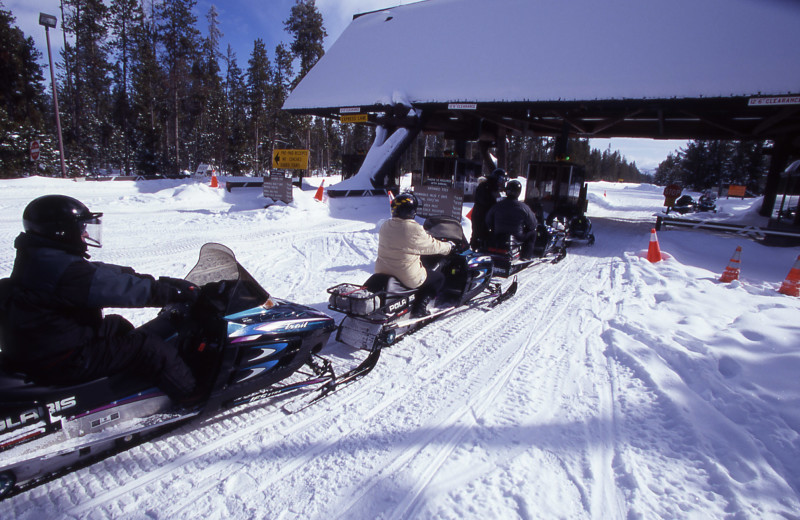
560 403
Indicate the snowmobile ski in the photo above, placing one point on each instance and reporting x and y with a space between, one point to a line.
337 383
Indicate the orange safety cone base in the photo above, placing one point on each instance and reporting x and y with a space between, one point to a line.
729 275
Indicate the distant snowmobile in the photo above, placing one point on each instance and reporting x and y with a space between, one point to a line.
686 204
378 312
247 344
707 202
579 229
505 250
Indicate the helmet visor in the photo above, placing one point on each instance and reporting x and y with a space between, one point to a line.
91 231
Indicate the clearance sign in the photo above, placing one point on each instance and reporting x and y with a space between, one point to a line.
290 159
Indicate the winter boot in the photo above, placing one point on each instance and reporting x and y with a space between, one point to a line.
420 308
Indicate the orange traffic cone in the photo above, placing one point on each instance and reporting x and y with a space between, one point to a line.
653 251
390 195
214 182
791 286
469 214
732 271
320 192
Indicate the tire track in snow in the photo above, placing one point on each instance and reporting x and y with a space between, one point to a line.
459 423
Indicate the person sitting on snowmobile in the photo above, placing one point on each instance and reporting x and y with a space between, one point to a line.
53 328
486 195
512 217
401 244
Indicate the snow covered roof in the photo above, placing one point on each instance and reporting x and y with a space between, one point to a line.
445 51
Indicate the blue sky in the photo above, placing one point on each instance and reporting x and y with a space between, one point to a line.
242 21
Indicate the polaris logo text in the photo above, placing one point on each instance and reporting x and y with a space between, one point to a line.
402 303
34 414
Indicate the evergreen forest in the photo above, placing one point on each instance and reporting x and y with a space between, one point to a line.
146 88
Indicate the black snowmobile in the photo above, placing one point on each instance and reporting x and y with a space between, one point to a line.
506 250
245 344
579 229
378 312
707 202
685 204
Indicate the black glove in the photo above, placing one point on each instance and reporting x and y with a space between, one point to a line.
177 290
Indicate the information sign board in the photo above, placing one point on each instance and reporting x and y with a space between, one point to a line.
278 186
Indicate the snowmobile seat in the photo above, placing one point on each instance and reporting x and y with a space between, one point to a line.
504 244
15 387
388 284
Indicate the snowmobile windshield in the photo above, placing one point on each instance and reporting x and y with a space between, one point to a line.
444 228
217 264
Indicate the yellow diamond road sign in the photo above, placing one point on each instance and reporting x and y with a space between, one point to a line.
290 159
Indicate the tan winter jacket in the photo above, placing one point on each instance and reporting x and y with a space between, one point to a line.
400 244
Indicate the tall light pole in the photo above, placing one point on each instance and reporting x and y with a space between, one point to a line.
49 22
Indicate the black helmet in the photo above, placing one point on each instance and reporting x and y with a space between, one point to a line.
498 177
513 189
405 206
62 218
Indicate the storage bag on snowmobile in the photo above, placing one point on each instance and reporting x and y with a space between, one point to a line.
353 299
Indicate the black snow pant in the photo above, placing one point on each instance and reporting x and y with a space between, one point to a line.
430 287
528 244
118 347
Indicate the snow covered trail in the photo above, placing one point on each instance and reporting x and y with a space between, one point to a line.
608 387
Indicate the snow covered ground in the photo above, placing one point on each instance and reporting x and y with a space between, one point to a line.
608 387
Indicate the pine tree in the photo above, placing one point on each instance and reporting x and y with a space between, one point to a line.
236 158
305 25
206 106
126 18
180 40
88 106
148 84
22 102
259 89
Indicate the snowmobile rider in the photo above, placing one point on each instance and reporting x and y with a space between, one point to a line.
512 217
401 243
53 328
486 195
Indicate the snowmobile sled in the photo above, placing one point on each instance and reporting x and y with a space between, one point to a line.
241 343
506 250
579 229
378 312
707 202
685 204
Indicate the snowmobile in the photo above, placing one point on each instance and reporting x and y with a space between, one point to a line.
506 250
707 202
685 204
579 229
243 343
379 312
